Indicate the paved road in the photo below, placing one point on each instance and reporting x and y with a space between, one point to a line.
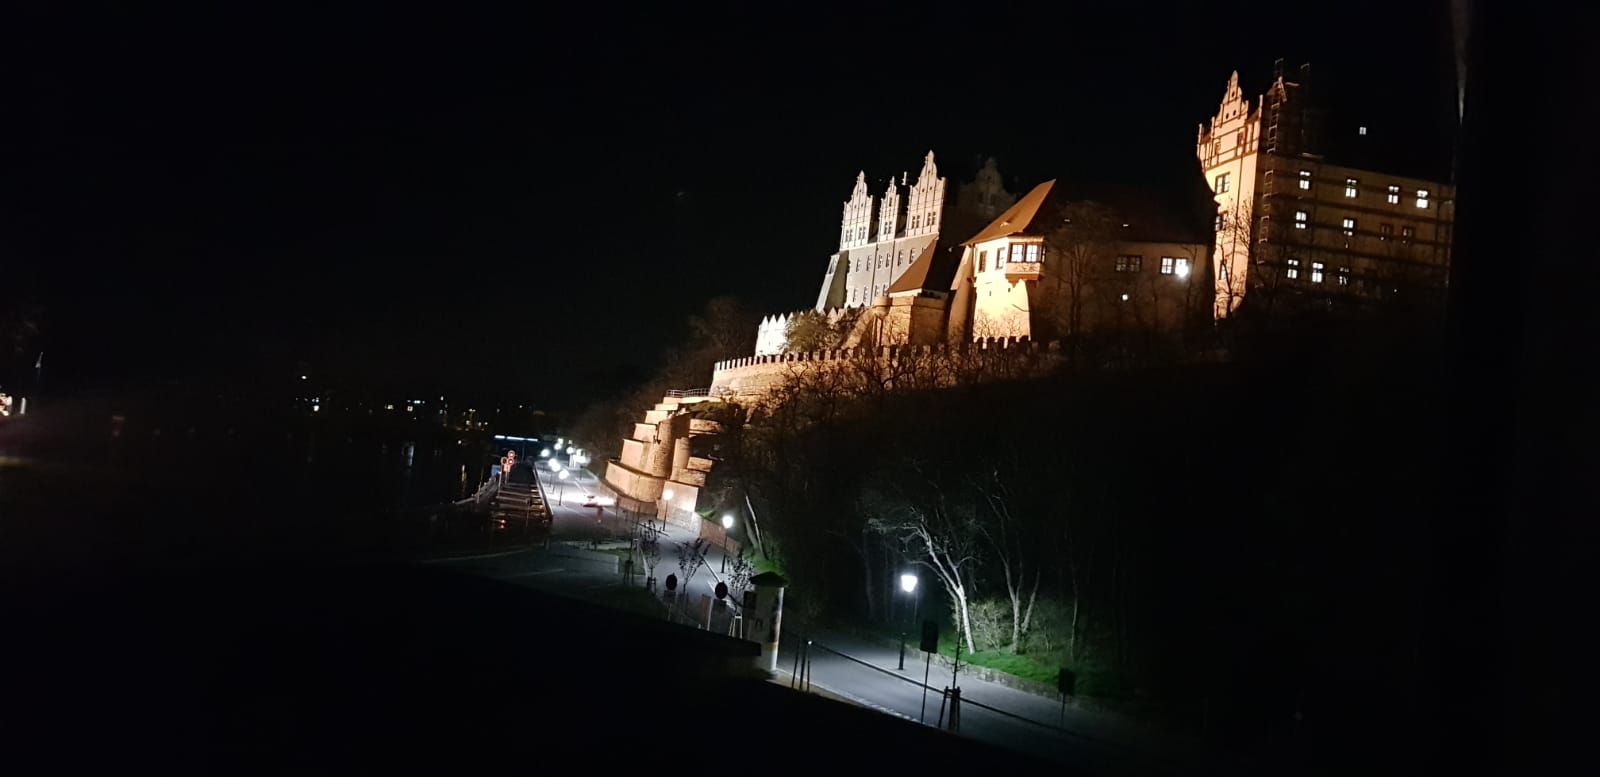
1096 743
1090 740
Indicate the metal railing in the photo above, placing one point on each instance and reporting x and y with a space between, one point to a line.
680 393
801 680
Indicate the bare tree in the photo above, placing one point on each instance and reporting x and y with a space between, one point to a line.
1083 239
1007 532
936 533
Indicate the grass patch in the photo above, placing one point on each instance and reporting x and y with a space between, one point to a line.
1040 669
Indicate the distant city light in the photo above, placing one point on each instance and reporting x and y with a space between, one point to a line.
1362 130
1124 298
302 377
315 408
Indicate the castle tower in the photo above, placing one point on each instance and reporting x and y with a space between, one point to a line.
856 227
926 203
1228 150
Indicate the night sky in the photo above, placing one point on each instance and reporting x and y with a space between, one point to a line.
455 197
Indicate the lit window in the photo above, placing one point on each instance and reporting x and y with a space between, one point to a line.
1222 221
983 261
1300 217
1033 252
1167 263
1406 233
1344 276
1316 272
1349 227
1394 195
1385 231
1294 269
1183 267
1350 188
1222 183
1422 198
1305 179
1361 130
1018 251
1128 263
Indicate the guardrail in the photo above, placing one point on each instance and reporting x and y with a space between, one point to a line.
801 680
680 393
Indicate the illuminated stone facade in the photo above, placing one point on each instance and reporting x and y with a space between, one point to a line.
1291 223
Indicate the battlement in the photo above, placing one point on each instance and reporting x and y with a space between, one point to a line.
752 375
885 352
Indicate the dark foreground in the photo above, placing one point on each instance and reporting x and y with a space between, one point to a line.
399 669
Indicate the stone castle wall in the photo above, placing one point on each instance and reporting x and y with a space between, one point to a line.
755 375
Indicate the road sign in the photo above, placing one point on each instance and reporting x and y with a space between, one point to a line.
930 637
1066 682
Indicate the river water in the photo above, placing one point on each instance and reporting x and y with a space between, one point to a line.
222 492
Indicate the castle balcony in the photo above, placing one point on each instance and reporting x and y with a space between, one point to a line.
1022 271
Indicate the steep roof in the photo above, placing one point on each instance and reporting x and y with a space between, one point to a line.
916 276
1017 217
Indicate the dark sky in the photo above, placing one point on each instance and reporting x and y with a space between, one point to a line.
449 195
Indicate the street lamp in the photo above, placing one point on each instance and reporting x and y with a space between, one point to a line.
908 583
544 454
727 524
562 490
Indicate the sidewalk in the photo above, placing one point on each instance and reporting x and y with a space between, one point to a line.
1033 707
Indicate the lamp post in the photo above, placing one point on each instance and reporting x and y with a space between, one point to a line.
727 525
561 490
666 502
908 583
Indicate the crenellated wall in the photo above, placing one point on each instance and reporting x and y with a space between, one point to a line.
754 375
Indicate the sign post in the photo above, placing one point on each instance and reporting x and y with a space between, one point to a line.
930 645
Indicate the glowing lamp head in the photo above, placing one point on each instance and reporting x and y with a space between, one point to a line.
727 520
569 450
545 453
1183 270
666 495
562 474
908 582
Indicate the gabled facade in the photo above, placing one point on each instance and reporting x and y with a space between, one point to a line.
1291 224
1029 274
880 239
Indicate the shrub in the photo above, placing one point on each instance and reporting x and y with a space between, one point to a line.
991 623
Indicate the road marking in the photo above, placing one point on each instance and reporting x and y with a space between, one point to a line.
531 574
857 700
